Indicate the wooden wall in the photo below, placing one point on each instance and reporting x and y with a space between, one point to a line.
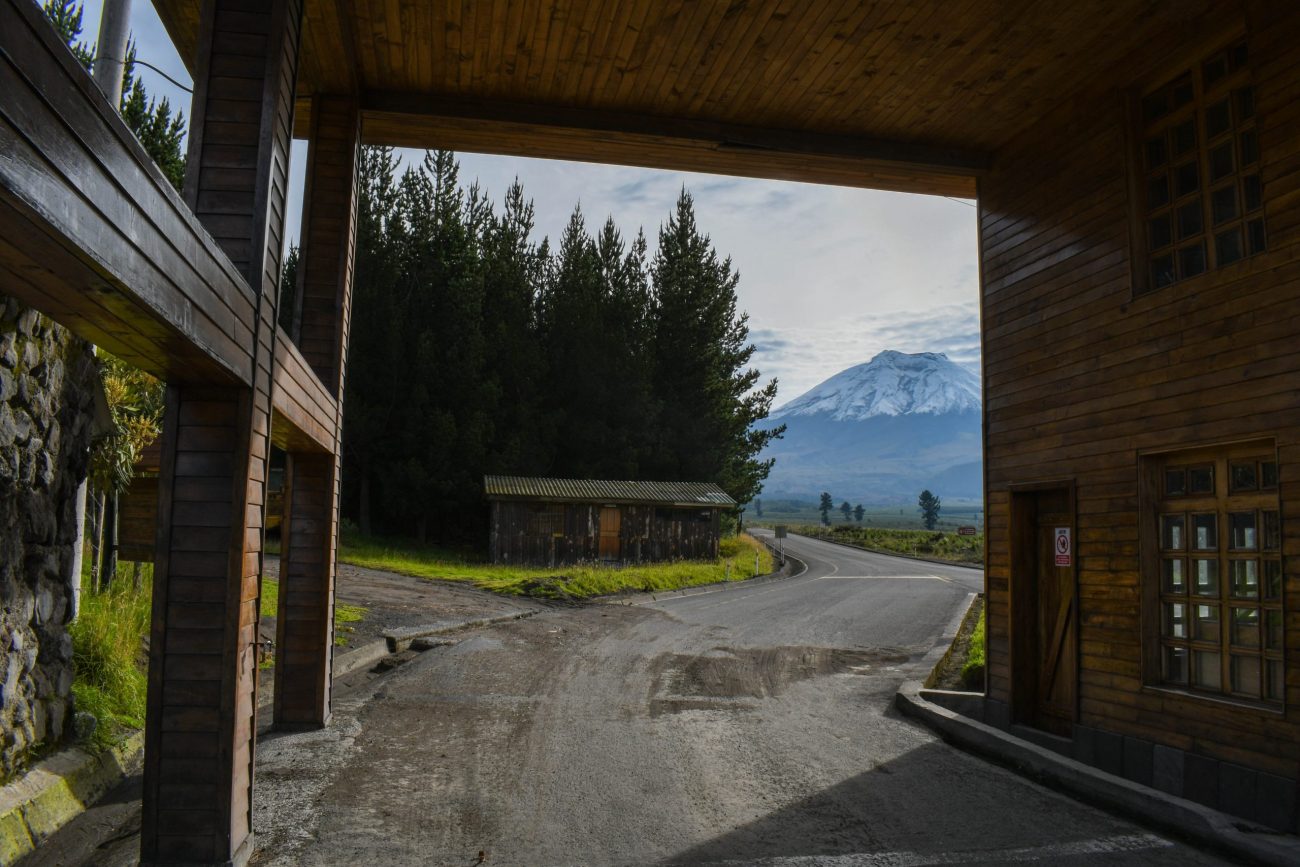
1081 375
648 534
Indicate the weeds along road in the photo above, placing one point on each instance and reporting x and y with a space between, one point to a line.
751 725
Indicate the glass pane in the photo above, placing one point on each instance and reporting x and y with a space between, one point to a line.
1162 270
1160 231
1175 665
1181 92
1205 670
1158 191
1245 675
1272 579
1175 483
1206 625
1175 620
1205 532
1173 532
1276 682
1185 137
1246 102
1205 577
1191 261
1157 152
1268 474
1156 105
1186 179
1215 68
1238 54
1223 204
1252 193
1255 234
1242 535
1227 246
1175 575
1218 118
1245 627
1190 219
1245 579
1242 476
1272 535
1273 629
1221 163
1200 480
1249 147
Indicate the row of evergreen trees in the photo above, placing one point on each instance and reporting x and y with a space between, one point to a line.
477 351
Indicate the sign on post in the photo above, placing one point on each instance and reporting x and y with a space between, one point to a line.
965 531
780 531
1062 546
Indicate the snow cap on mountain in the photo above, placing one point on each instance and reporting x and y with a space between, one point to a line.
893 383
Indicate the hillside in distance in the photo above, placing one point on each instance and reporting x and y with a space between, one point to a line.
882 431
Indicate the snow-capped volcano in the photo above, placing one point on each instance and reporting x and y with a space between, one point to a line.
892 383
880 432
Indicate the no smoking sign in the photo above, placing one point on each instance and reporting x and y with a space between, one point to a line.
1062 546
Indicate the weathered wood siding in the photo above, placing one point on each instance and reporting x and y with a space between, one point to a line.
138 519
648 533
1080 375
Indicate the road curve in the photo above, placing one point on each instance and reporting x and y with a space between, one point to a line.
746 725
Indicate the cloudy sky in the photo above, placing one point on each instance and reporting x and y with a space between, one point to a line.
829 275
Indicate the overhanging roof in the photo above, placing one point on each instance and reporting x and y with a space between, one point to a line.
684 494
911 95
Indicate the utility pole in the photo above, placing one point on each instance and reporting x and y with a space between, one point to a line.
110 51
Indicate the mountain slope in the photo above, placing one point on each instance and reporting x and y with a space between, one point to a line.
882 431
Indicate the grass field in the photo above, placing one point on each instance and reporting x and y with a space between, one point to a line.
954 514
736 563
913 543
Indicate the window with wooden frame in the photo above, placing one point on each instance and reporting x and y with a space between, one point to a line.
1202 199
546 519
1217 573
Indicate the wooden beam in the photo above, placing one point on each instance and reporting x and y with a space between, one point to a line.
561 132
305 415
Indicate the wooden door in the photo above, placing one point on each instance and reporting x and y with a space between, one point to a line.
611 529
1044 618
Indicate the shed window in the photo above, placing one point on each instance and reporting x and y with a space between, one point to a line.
546 520
1204 203
1216 574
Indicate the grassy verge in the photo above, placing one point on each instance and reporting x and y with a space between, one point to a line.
914 543
343 614
736 563
108 658
972 673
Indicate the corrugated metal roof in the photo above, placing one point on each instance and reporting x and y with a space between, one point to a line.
598 490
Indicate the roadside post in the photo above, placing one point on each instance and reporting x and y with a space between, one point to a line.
780 538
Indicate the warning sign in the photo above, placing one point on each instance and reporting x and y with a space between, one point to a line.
1062 544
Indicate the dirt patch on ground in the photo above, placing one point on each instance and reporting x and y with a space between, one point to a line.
947 674
725 678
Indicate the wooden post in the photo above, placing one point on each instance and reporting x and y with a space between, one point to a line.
201 723
305 619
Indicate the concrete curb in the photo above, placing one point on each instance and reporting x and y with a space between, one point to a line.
1151 806
58 789
938 655
360 657
397 640
890 553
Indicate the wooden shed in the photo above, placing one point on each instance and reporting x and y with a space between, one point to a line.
553 522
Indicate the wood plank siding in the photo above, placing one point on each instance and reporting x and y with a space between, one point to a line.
1083 375
558 534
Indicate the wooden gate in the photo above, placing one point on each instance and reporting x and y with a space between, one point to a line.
611 530
1044 631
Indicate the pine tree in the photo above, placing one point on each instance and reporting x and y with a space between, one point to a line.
928 505
710 407
847 510
758 507
825 507
858 512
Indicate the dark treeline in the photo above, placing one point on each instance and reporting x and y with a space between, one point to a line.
475 350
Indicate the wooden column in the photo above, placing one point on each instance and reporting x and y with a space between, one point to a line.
305 621
201 722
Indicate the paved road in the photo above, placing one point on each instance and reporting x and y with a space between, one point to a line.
752 725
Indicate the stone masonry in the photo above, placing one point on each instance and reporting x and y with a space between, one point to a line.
46 420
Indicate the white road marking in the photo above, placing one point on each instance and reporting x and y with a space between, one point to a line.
1102 846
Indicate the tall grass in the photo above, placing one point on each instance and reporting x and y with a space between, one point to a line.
972 673
108 656
736 562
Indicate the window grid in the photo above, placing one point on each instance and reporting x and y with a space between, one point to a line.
1220 578
1203 196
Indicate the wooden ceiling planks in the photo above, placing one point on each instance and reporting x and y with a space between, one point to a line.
939 72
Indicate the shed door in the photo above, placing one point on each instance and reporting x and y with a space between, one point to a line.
611 528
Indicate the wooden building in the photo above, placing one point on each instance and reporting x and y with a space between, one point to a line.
1136 165
552 522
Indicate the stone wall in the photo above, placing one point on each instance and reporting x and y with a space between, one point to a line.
46 415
